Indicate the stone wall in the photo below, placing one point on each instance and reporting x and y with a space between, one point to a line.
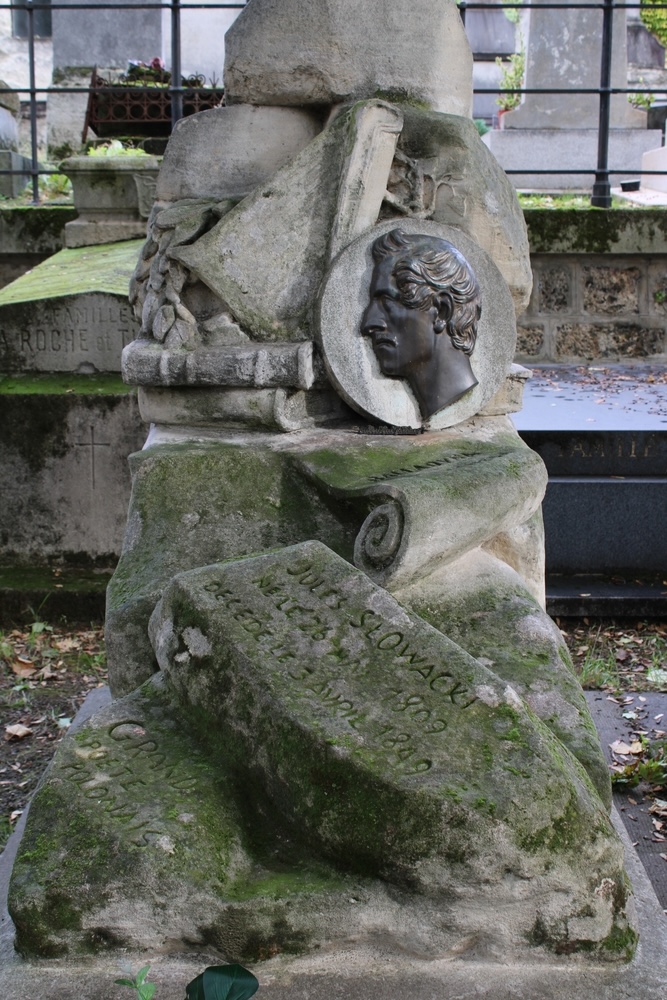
600 287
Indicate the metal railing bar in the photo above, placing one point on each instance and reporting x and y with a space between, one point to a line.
121 6
657 89
177 89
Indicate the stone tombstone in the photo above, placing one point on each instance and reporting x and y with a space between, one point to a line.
70 313
551 132
326 633
354 717
561 53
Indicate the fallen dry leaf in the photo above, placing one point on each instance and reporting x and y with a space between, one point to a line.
66 644
621 748
23 668
18 731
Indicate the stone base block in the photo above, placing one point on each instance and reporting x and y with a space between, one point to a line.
86 232
567 149
655 159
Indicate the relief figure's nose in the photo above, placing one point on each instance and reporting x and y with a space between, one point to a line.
373 319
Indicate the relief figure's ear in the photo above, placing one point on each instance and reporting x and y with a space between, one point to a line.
444 304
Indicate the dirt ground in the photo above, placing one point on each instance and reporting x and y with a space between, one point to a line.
46 672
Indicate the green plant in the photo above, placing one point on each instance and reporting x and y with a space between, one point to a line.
222 982
642 101
53 186
512 13
655 19
115 148
660 296
649 766
143 989
511 77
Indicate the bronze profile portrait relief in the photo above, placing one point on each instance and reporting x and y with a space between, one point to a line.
416 325
422 317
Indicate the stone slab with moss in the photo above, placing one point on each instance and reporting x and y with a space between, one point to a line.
70 312
64 474
314 718
438 497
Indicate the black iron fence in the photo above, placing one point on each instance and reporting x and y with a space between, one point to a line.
31 11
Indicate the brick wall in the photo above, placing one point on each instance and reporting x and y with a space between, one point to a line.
599 288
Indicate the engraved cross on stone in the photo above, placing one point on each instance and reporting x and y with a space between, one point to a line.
92 444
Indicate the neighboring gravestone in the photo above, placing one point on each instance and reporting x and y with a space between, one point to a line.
352 720
644 49
69 313
564 52
67 429
551 130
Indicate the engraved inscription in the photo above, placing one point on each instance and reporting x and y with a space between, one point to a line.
90 330
117 768
302 621
463 457
92 444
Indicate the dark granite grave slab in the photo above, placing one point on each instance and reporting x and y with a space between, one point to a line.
602 433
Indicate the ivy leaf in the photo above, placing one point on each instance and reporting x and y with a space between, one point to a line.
195 989
223 982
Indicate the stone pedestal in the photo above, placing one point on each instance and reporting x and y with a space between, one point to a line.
113 196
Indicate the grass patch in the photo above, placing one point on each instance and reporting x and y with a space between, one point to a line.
618 656
570 201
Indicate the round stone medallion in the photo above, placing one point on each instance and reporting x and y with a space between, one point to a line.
350 357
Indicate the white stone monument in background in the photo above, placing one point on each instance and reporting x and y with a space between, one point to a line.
549 131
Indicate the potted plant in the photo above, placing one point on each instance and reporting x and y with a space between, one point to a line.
511 77
138 102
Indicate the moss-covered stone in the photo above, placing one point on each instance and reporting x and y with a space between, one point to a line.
106 268
484 606
360 727
34 228
193 505
135 839
598 231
